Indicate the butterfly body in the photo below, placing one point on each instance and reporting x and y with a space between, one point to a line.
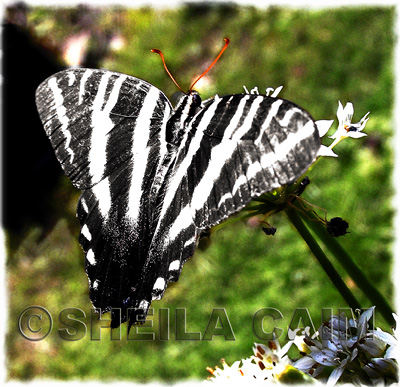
154 177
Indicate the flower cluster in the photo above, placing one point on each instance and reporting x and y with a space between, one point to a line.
343 350
353 352
270 363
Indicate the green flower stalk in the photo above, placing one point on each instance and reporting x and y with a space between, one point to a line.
351 268
322 259
287 198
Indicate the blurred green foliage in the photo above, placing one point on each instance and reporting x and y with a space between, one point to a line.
320 56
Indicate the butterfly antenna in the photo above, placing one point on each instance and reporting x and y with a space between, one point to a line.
212 64
166 68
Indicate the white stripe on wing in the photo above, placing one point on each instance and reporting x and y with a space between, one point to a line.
61 115
141 152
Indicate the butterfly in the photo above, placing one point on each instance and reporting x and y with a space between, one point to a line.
154 176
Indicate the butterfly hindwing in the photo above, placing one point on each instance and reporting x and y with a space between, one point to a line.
264 143
235 149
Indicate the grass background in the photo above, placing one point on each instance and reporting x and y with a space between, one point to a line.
320 56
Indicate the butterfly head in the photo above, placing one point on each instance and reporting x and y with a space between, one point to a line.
187 106
195 98
190 98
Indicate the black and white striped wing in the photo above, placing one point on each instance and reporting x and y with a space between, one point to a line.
108 133
144 201
235 149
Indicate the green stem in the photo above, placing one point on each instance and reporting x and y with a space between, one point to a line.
351 268
322 259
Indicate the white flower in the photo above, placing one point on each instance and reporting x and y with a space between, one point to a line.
269 364
346 128
274 92
268 91
238 371
272 356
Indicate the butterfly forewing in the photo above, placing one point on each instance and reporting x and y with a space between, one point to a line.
97 119
153 179
108 132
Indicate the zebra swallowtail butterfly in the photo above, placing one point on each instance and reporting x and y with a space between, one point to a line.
153 177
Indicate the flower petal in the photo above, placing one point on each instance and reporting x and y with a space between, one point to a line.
385 336
325 357
285 349
276 91
375 347
340 114
323 126
304 363
356 134
330 345
318 371
363 321
392 352
325 151
334 376
362 126
354 354
348 112
365 118
381 367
